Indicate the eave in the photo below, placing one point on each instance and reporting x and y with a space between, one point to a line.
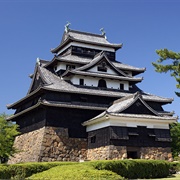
58 104
121 118
29 96
135 71
108 76
71 39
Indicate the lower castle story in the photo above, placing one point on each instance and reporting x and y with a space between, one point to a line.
54 144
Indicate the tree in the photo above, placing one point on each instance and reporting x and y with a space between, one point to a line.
175 135
173 67
8 131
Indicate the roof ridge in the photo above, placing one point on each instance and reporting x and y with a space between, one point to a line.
86 33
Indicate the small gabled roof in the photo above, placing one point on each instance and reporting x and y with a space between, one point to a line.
119 107
98 58
84 37
69 58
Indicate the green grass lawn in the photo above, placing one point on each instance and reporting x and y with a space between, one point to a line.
174 177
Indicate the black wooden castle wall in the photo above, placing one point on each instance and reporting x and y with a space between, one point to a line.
32 120
70 118
129 136
74 97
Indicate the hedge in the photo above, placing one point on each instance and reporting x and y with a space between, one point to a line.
134 169
81 171
131 169
21 171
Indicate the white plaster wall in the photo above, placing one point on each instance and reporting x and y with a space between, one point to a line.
115 84
130 122
109 71
90 81
105 122
62 65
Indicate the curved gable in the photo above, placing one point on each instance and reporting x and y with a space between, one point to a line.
133 104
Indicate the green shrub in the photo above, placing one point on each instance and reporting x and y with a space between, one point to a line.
82 171
4 172
133 169
107 169
174 167
20 171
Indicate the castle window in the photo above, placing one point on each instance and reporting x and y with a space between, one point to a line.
102 67
162 135
93 139
81 82
119 133
102 83
122 86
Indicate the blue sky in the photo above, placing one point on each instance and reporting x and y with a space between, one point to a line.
30 28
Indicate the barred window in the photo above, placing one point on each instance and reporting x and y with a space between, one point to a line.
118 133
162 135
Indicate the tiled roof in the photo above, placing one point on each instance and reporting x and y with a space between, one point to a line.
44 62
145 116
128 67
97 59
76 105
59 84
82 70
96 38
84 37
121 104
55 83
83 60
104 114
103 75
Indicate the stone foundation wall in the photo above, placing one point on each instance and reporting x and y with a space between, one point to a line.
157 153
49 144
54 144
57 146
107 152
28 145
120 152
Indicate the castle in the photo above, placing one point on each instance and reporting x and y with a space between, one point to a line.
86 105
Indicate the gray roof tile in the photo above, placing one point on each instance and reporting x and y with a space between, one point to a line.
58 84
82 60
88 37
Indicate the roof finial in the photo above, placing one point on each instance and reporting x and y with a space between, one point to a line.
38 61
67 26
103 33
